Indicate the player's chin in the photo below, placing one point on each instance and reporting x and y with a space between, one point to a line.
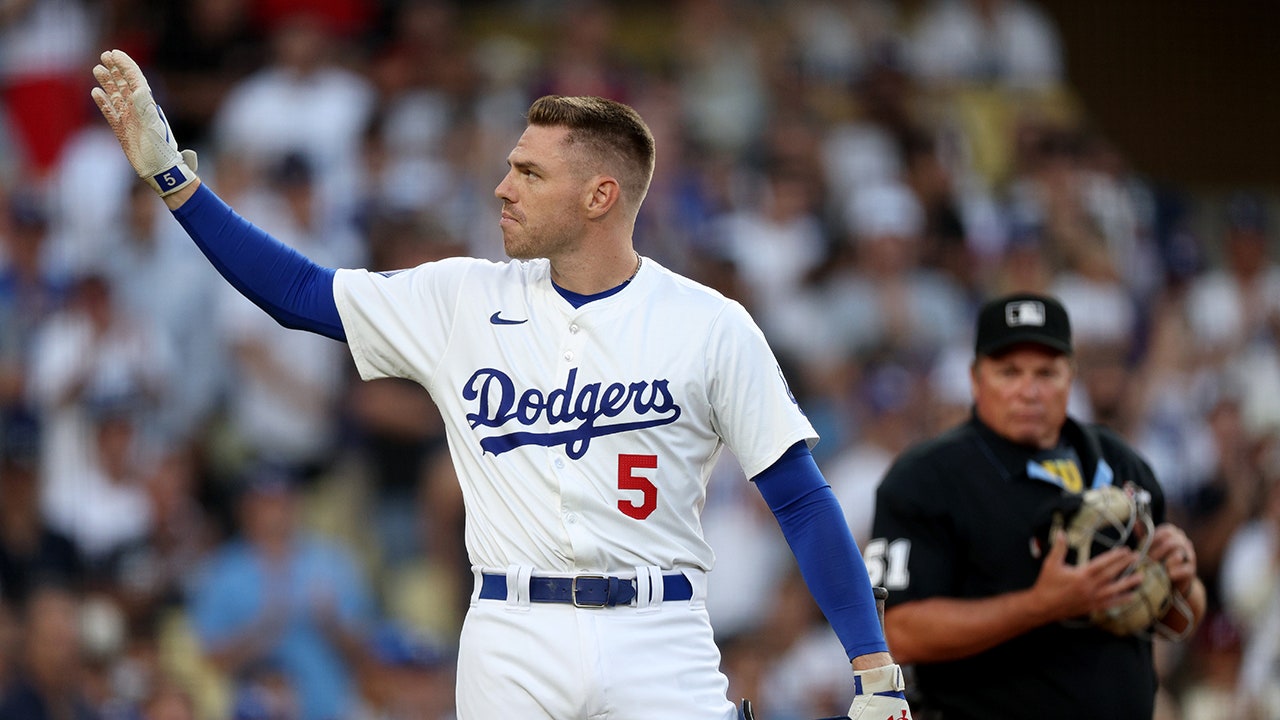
516 250
510 240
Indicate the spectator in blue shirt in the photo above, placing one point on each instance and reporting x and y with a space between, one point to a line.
277 595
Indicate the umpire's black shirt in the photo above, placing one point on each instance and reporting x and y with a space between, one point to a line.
958 516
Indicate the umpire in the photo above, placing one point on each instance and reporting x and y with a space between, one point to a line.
989 600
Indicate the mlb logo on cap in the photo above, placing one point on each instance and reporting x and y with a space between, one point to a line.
1022 318
1024 312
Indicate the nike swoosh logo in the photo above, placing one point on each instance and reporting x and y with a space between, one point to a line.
503 321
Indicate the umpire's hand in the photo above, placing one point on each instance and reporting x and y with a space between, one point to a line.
1064 591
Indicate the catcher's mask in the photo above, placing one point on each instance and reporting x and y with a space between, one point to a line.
1103 518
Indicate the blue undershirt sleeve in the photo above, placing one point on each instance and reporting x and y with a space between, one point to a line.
819 536
295 291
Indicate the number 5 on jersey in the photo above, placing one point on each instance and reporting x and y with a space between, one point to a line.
628 479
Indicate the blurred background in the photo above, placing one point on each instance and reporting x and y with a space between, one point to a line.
861 174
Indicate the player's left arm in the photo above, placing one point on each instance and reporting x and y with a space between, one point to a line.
814 526
819 537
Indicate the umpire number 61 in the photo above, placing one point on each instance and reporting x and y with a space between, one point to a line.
887 562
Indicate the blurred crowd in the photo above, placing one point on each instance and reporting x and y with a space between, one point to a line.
861 174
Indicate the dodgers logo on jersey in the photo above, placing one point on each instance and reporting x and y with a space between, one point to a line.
572 415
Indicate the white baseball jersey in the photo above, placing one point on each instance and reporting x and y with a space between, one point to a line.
582 438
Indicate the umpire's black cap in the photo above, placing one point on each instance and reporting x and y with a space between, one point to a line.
1022 318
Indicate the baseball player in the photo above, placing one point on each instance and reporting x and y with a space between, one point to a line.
587 393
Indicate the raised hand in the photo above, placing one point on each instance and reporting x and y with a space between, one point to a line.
125 100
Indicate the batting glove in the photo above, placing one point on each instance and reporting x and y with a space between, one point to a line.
879 695
140 126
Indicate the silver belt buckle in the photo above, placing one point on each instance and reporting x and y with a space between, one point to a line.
574 589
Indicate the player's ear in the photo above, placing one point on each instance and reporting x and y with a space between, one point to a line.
603 193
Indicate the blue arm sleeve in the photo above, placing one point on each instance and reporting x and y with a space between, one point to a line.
290 288
819 536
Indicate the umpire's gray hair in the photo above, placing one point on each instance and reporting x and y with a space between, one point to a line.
610 130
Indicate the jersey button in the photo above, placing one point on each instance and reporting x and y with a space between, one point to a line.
559 463
573 329
570 518
568 355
